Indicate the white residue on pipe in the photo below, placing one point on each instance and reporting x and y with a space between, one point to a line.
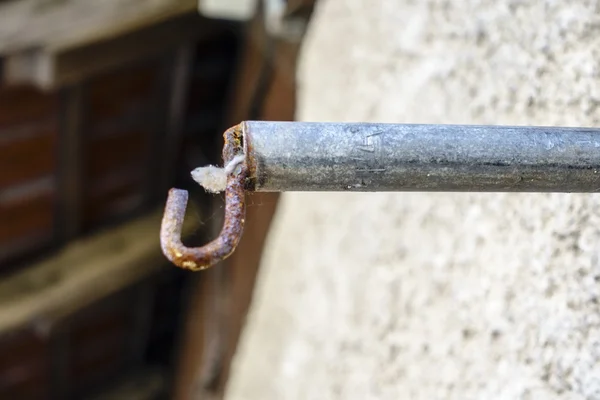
214 179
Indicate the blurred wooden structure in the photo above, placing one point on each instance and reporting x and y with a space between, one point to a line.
265 89
103 107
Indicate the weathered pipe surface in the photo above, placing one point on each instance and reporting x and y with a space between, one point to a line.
300 156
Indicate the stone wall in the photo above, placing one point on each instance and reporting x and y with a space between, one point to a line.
435 296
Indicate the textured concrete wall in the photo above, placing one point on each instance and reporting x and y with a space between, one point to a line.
436 296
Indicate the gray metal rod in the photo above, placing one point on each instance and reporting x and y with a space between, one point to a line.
300 156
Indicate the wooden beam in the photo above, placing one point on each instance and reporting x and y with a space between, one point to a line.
31 24
66 63
84 272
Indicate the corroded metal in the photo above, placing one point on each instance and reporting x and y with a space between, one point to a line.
301 156
199 258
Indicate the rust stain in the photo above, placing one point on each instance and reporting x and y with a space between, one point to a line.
200 258
251 161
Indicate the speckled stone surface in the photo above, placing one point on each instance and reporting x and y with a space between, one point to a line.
435 296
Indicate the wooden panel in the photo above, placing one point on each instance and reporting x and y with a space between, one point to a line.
117 152
117 115
99 343
28 164
123 109
24 157
24 364
115 94
22 217
24 104
117 196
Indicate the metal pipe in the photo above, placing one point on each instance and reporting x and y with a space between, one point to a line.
303 156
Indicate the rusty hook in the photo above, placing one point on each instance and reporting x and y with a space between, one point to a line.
199 258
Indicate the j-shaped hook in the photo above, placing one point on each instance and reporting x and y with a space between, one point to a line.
199 258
